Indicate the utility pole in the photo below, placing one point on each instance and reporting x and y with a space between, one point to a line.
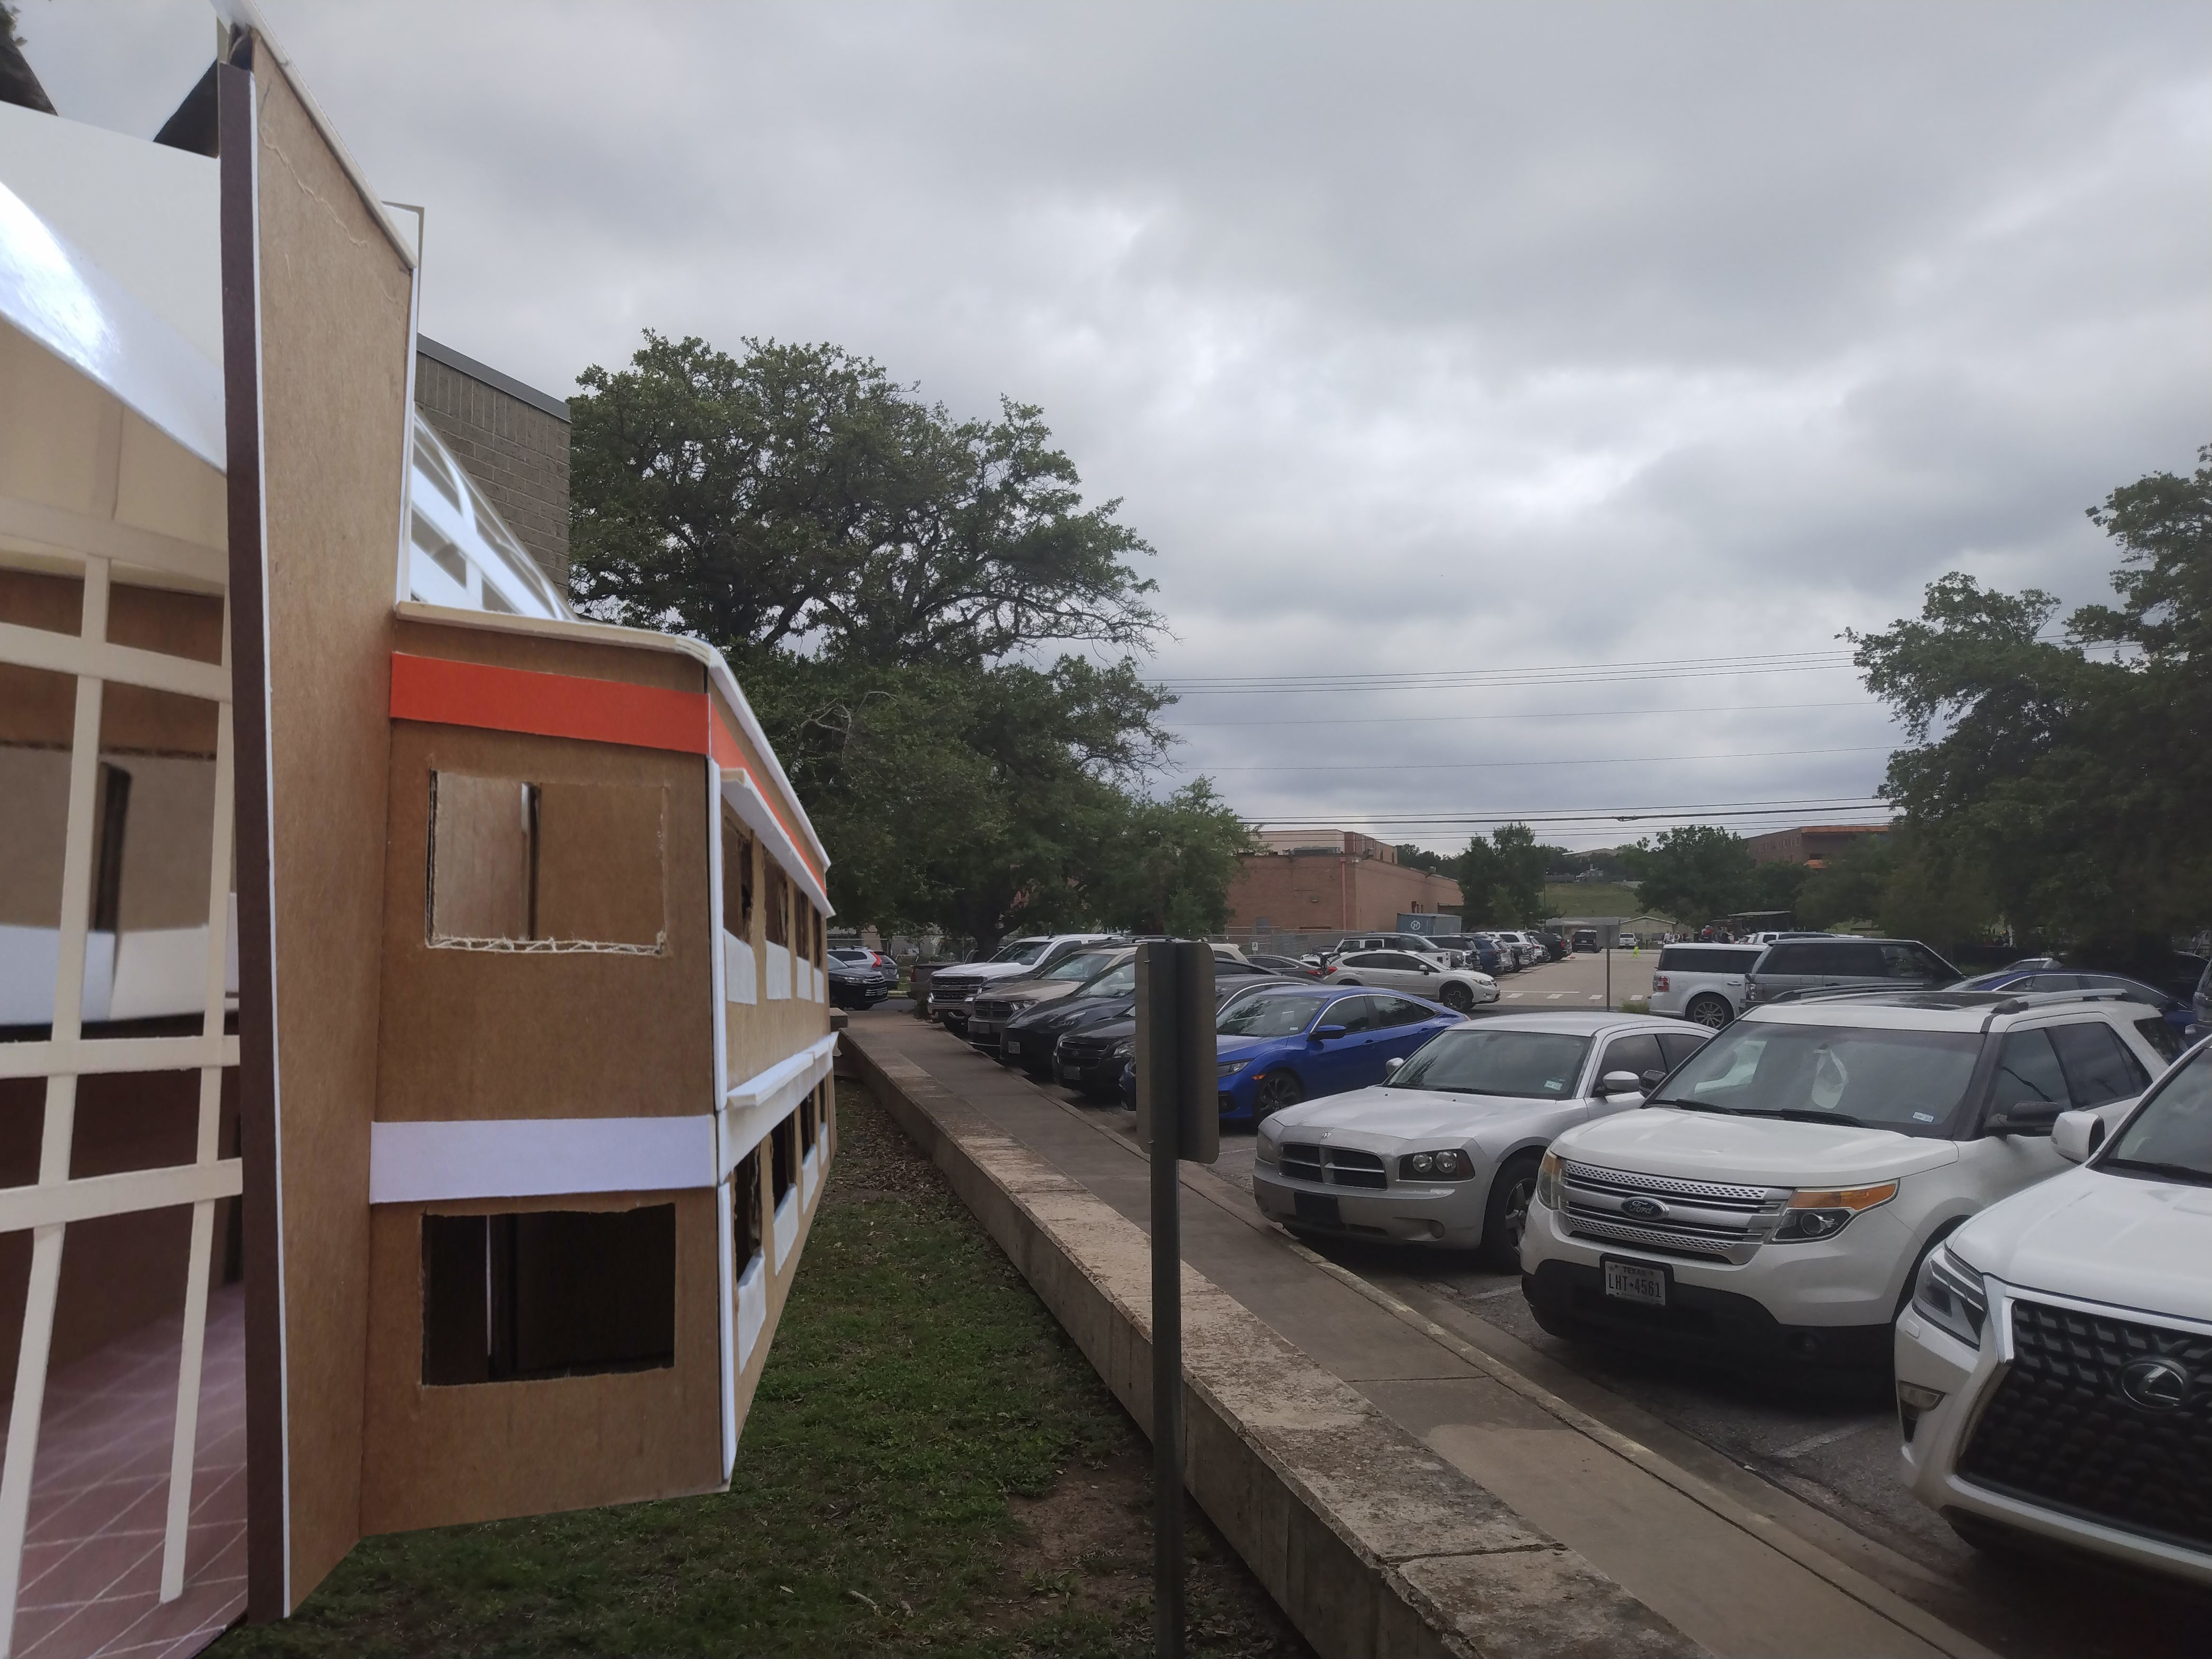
1178 1117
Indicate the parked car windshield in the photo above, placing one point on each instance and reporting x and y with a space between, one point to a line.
1269 1016
1908 1081
1081 966
1474 1061
2171 1138
1022 949
1117 981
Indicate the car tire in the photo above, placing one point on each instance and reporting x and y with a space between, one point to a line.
1457 997
1343 981
1506 1214
1275 1091
1709 1011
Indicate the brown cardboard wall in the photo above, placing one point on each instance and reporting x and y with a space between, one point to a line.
588 659
519 1034
334 334
477 1452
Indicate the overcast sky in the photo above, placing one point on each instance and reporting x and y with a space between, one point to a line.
1479 337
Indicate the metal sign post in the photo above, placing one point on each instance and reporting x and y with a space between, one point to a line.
1178 1117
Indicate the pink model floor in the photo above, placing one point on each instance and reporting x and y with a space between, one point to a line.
91 1557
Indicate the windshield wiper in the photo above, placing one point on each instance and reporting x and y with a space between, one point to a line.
1800 1114
2186 1173
1694 1106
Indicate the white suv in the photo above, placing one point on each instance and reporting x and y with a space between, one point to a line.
1774 1198
2054 1372
1702 982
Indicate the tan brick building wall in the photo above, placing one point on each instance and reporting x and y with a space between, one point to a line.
513 439
1331 879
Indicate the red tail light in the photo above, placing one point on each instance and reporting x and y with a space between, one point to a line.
1658 981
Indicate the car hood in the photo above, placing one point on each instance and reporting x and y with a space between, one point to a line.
979 973
1406 1113
2102 1238
1057 1016
1756 1151
1034 990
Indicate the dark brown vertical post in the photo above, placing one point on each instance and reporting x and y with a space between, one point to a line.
267 1542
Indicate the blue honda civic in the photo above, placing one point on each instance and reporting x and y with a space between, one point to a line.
1274 1051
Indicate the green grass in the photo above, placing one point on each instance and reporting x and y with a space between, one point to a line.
1594 898
917 1399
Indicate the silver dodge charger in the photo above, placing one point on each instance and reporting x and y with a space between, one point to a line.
1444 1153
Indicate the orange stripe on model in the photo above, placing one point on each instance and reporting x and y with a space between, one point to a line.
442 692
446 693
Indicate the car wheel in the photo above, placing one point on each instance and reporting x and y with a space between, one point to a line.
1276 1090
1710 1011
1506 1215
1457 997
1345 981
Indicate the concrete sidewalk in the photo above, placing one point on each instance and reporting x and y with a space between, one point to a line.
1731 1579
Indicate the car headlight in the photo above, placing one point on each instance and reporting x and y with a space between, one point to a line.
1267 1150
1550 1173
1124 1049
1948 1294
1224 1067
1813 1214
1450 1164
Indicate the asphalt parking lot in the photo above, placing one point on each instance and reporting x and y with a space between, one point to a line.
1823 1462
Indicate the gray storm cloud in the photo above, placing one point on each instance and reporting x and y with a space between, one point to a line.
1418 337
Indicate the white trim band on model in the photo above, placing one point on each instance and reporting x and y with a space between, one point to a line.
422 1162
538 1158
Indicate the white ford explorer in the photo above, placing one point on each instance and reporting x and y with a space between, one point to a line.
1772 1200
2054 1371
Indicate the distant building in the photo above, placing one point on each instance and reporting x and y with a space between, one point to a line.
513 441
1323 880
1813 844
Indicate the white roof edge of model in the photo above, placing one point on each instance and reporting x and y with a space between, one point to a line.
58 295
718 670
246 15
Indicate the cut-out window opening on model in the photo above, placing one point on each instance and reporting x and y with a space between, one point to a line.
737 876
808 1112
546 867
510 1298
783 1160
748 1229
779 905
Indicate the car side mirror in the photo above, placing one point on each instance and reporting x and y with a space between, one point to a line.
1620 1083
2026 1117
1390 1068
1323 1033
2075 1135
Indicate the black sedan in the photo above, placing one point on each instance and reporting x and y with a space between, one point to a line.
856 984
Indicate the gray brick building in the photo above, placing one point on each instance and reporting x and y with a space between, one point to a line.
513 439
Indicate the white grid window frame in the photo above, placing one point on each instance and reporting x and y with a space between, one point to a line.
46 1208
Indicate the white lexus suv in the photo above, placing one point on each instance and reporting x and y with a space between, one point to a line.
2054 1371
1774 1198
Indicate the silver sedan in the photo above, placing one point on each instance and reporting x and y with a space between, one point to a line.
1445 1151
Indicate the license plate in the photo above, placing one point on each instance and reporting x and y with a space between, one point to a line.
1636 1281
1319 1207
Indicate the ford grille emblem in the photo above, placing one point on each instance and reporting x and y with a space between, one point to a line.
2156 1385
1644 1209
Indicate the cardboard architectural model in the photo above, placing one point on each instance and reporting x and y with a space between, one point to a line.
414 1038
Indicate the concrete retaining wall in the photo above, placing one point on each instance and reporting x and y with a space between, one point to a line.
1371 1543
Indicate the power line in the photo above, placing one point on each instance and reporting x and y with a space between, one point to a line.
1663 663
1538 714
1616 760
1790 805
1477 680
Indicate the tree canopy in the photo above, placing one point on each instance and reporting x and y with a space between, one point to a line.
2064 782
1501 877
797 496
888 581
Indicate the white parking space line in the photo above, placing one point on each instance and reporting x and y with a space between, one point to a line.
1515 996
1813 1443
1554 996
